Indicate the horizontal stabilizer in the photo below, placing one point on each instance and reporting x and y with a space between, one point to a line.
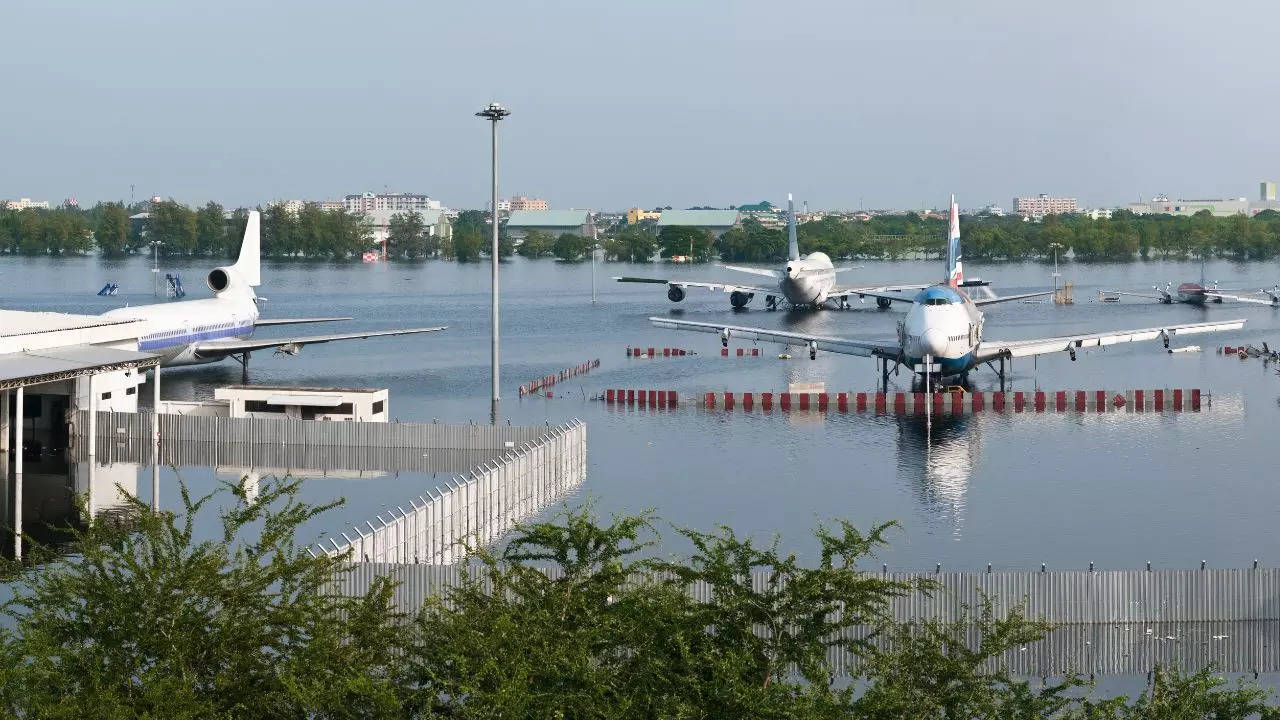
291 345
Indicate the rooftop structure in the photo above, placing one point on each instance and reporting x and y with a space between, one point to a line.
635 215
305 403
717 221
1040 205
578 222
1162 205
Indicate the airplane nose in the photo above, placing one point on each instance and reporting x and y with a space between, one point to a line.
933 342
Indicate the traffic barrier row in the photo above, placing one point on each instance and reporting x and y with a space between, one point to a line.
962 403
741 352
655 352
645 398
534 386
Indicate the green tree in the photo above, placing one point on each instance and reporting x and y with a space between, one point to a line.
211 231
281 236
468 244
407 235
112 231
751 242
571 247
695 243
147 621
536 244
632 244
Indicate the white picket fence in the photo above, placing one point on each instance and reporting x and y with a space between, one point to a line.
476 508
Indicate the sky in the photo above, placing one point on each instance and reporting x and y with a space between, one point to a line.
620 104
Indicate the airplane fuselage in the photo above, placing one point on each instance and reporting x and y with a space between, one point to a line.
945 325
808 281
171 330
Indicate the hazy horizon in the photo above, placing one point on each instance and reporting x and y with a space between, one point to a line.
662 103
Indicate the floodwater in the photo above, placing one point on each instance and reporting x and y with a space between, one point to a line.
1116 489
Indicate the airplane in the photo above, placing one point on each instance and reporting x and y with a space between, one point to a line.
1273 297
804 282
194 332
1191 293
942 334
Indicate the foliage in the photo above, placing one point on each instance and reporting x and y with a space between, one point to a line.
631 244
173 225
313 233
211 232
571 247
468 243
751 242
37 232
407 236
111 234
536 244
694 243
147 621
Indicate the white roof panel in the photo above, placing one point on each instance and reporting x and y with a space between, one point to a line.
21 322
76 360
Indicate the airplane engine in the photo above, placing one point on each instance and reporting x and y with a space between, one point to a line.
675 293
739 299
883 303
220 279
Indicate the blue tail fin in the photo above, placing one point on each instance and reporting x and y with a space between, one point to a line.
793 246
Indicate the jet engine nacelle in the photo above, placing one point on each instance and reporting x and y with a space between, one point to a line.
883 303
222 279
739 299
675 293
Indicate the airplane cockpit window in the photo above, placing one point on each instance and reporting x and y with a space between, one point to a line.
936 301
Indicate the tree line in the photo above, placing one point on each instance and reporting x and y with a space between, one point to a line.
141 619
310 232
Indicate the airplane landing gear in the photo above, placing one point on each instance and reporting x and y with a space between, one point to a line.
770 302
243 359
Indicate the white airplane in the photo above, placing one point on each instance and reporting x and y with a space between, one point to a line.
941 334
1272 299
194 332
808 281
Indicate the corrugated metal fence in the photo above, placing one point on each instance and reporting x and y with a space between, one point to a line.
478 507
197 428
1115 621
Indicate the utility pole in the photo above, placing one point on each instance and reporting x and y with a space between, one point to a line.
155 267
595 238
494 112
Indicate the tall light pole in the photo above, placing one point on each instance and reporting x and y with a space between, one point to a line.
494 112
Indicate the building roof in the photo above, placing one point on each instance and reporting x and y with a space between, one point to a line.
698 218
22 322
548 218
39 366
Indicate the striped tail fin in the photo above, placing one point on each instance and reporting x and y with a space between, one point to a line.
955 271
793 247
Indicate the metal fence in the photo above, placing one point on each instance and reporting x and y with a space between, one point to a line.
1121 621
198 428
478 507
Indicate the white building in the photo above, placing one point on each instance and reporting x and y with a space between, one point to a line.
395 202
1040 205
305 403
379 221
26 204
1162 205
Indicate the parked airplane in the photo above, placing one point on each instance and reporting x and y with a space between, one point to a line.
1272 299
942 333
193 332
808 281
1189 293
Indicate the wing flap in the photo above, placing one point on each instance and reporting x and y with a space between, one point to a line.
223 348
1025 348
272 322
844 346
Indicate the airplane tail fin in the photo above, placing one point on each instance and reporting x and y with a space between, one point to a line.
955 271
248 264
793 246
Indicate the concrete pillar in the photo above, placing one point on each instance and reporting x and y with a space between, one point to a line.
155 439
4 424
93 420
17 477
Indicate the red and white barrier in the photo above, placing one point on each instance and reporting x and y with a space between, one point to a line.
643 398
639 352
962 403
533 386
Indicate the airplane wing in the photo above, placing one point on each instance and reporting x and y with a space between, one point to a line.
1007 298
1273 300
291 345
270 322
1149 296
864 348
991 349
754 271
847 269
878 291
726 287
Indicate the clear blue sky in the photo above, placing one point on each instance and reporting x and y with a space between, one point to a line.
640 103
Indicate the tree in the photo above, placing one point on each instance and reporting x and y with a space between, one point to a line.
694 243
147 621
280 236
174 225
407 235
536 244
112 231
211 232
632 244
751 242
570 247
468 244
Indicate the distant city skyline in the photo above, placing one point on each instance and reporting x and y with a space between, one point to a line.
639 104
